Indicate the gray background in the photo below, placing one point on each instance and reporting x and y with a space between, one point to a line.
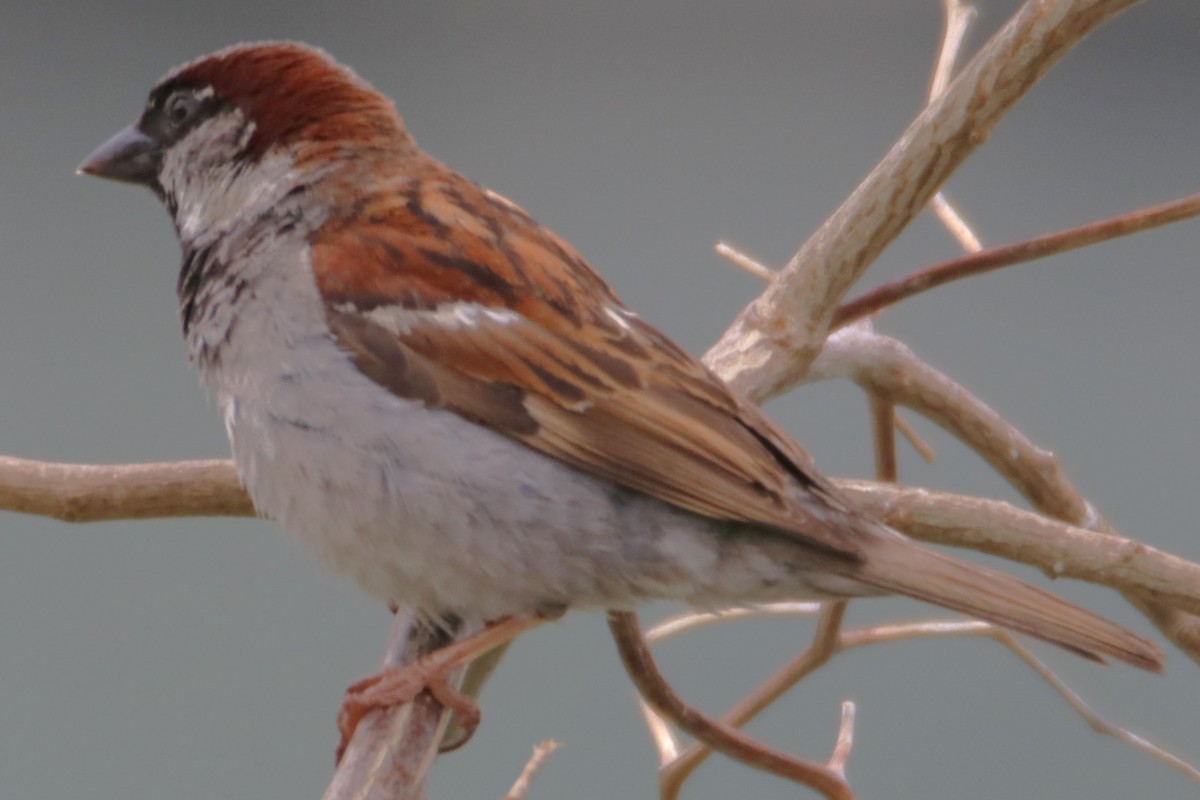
206 658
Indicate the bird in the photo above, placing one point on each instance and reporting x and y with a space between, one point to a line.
443 398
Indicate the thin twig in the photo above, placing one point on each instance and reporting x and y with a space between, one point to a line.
803 665
954 222
685 623
824 646
743 261
994 258
845 739
660 733
914 439
956 18
654 687
957 629
883 434
541 752
1097 723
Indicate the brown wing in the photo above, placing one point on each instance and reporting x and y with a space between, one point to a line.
457 298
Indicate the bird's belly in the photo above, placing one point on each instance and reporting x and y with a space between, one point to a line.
426 509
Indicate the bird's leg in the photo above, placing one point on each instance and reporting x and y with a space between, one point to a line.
399 685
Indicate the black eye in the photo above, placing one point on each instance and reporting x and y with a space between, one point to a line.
180 107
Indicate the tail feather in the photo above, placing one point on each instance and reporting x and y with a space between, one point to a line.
899 565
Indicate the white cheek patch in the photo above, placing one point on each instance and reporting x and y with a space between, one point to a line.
211 187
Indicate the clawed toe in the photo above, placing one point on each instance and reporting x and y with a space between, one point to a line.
400 685
397 686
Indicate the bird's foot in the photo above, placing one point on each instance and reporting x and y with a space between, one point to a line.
400 685
432 673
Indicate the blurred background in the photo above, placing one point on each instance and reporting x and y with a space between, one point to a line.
207 657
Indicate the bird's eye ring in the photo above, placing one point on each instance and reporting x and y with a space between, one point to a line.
180 107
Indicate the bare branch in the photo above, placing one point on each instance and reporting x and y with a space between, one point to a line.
914 439
743 261
831 641
90 493
730 741
994 258
845 739
881 364
773 340
541 752
1097 723
685 623
955 629
1057 548
953 222
660 733
824 646
956 18
883 430
204 487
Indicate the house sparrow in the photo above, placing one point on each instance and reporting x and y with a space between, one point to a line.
440 395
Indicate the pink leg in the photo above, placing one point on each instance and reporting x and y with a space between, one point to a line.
399 685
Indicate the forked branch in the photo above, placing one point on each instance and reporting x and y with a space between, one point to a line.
824 778
677 764
771 343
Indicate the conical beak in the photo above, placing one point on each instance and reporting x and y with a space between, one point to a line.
130 156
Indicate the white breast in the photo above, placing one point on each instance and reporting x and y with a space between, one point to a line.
426 509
